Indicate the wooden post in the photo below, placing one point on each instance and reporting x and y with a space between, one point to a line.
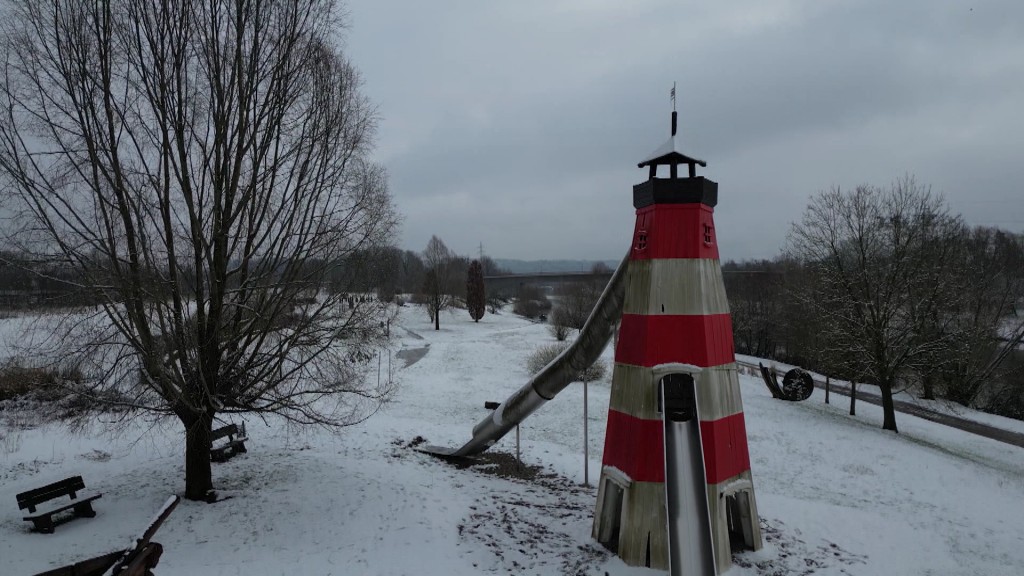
518 461
828 385
586 442
853 398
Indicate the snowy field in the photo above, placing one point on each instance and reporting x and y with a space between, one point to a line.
836 494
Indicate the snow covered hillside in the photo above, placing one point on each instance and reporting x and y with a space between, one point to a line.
837 495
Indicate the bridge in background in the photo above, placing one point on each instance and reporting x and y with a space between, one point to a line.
510 283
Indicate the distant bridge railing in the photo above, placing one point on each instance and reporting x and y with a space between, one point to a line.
512 282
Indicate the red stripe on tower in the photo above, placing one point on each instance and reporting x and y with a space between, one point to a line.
724 442
725 448
625 439
652 340
674 231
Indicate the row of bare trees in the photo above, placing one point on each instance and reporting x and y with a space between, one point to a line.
887 286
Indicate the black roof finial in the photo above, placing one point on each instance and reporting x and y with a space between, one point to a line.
672 94
668 154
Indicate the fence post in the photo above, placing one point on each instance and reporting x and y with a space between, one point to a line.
586 441
518 461
828 386
853 398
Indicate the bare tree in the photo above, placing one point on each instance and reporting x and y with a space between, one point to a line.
203 165
879 260
531 301
576 300
1006 396
439 278
411 271
756 292
978 316
491 267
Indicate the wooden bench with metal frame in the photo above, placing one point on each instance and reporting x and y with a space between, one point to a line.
43 519
235 444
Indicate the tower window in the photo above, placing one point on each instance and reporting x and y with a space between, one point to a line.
641 233
707 234
641 240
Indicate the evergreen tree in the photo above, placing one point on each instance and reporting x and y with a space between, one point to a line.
475 298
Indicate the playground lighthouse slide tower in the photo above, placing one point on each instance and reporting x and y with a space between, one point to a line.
675 485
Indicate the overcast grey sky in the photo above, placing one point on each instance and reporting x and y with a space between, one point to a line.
518 124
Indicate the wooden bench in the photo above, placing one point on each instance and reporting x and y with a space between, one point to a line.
234 445
43 519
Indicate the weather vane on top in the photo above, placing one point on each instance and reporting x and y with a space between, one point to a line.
672 95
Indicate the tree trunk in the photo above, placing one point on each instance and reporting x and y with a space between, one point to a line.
888 408
198 474
853 398
928 385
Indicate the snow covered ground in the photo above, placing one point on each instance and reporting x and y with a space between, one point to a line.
837 495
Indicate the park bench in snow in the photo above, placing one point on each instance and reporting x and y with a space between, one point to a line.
235 443
43 519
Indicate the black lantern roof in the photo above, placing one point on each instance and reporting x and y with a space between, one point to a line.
674 190
668 154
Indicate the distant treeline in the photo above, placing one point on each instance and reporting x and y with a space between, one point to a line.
943 312
33 283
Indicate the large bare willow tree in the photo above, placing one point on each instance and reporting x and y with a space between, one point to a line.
203 165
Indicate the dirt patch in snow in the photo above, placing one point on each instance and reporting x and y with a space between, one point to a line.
797 557
505 465
533 521
537 534
535 528
541 525
498 463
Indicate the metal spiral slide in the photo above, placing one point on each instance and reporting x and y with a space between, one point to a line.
554 377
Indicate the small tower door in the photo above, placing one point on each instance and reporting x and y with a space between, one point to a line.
610 519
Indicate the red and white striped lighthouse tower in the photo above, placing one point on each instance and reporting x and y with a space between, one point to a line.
675 485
